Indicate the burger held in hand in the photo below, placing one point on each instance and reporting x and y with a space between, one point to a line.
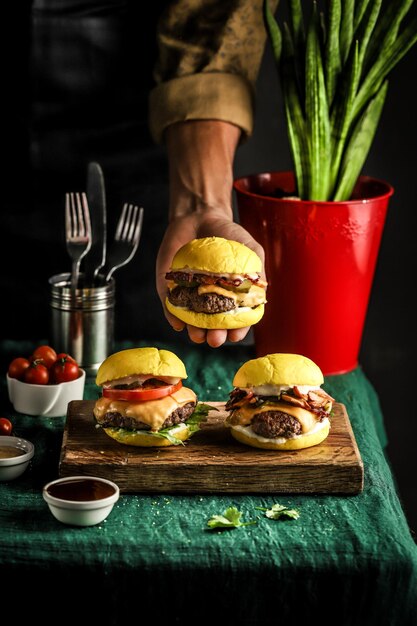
216 283
278 404
144 402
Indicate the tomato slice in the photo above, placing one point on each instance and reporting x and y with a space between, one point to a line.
141 395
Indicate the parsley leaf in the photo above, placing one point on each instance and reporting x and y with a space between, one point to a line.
279 511
229 519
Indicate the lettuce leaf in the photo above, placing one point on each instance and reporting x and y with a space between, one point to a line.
199 414
193 423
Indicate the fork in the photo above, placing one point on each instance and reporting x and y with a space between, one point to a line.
126 238
77 232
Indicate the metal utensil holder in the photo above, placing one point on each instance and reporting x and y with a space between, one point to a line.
82 324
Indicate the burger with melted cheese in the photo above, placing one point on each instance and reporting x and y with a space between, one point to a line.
278 404
144 402
216 283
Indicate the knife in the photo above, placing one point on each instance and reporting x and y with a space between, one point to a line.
96 197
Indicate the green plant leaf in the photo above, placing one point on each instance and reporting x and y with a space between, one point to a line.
297 22
333 64
273 31
386 29
298 141
346 28
359 144
298 39
295 117
342 115
384 65
366 28
317 114
360 8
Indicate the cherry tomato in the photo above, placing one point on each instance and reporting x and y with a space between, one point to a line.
64 370
6 426
18 367
140 395
36 374
64 355
45 354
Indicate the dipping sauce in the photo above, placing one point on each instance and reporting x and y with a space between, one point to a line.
81 490
7 452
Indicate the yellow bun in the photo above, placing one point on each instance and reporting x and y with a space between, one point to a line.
217 255
300 442
279 369
140 361
238 319
147 440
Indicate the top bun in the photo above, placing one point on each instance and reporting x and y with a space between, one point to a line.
217 255
140 361
279 369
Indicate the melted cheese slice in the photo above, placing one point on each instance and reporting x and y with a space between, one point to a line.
244 414
255 295
151 412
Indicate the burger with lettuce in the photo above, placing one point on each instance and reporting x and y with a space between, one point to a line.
143 400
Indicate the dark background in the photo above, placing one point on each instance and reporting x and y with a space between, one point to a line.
75 91
389 342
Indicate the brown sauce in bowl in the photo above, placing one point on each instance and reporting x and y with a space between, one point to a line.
7 452
81 490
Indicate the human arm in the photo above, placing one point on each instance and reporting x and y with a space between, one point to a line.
201 155
202 108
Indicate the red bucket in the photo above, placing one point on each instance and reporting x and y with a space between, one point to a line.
320 260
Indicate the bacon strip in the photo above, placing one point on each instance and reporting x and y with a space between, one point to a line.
208 279
317 401
238 397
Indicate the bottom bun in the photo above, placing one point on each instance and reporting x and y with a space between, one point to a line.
248 437
239 318
147 440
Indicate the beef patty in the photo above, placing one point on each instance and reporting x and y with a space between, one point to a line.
272 424
189 298
113 419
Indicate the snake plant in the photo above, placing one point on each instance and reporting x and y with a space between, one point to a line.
333 67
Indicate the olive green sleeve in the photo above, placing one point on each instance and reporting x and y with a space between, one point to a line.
209 58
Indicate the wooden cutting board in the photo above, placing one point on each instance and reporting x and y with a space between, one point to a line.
211 461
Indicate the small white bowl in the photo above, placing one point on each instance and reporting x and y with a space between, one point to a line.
45 400
81 500
15 455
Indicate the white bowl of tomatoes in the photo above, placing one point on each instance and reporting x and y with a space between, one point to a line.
44 383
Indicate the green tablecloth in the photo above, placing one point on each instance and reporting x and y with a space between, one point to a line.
346 560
